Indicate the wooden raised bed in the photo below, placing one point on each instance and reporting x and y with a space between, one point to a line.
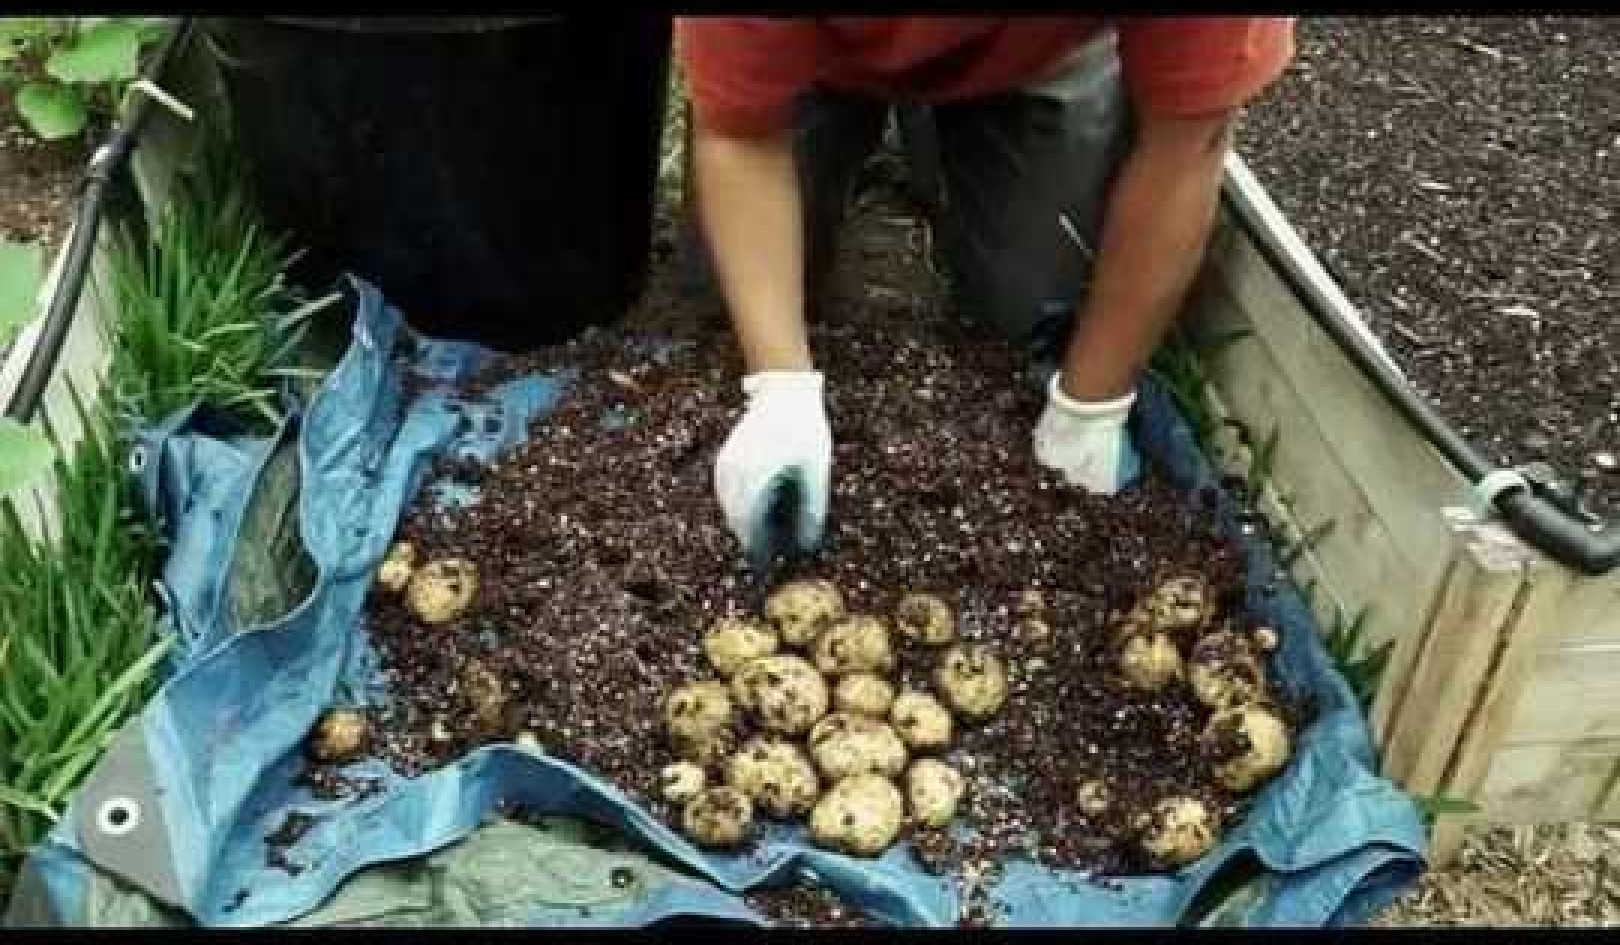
1503 685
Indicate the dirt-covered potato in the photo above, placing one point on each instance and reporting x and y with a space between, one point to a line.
784 692
925 619
1032 631
1178 831
775 775
973 680
1249 744
800 610
1266 639
718 817
340 735
1225 670
860 815
1182 604
866 693
934 789
1149 661
923 722
845 743
442 590
397 567
733 641
681 781
858 644
486 693
701 721
1030 602
1093 797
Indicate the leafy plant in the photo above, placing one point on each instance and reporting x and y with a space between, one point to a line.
62 71
22 269
1431 806
1362 666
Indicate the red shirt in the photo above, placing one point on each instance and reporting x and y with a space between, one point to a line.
745 72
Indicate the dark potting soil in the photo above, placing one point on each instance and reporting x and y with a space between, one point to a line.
1460 176
36 182
806 906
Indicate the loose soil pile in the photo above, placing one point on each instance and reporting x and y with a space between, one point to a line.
603 556
36 182
1460 176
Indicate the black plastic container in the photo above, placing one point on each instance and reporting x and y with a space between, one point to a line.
494 177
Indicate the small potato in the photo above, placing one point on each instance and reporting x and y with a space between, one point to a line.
1266 639
718 817
865 693
1249 743
934 790
1182 604
861 815
973 680
733 641
487 694
1178 831
397 567
1032 632
1150 661
925 619
1030 602
923 722
1224 670
681 781
802 609
701 721
339 736
857 644
784 692
775 775
1093 797
845 744
443 590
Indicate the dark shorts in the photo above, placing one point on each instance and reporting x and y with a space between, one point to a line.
1016 184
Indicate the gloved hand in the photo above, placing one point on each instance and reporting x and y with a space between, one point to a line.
1087 442
782 441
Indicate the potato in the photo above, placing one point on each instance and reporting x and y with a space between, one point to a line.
925 619
1225 670
486 694
1030 602
865 693
701 721
1249 743
339 735
1181 605
718 817
1178 831
1093 797
775 775
1150 661
860 815
784 692
934 789
397 567
973 680
1266 639
858 644
733 641
443 590
923 723
802 609
681 781
1032 631
845 744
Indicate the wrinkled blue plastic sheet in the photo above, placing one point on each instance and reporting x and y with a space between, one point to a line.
1336 840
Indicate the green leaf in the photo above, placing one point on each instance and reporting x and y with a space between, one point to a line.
1437 804
103 53
18 29
24 454
51 110
22 269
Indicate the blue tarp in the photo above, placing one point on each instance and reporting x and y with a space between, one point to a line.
217 750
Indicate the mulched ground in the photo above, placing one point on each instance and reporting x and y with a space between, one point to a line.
37 180
596 584
1461 178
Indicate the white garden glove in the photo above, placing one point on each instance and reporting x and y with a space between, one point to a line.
1087 442
782 442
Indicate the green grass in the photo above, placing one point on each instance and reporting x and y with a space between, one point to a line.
202 315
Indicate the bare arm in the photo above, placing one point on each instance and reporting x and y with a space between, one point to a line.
748 200
1157 221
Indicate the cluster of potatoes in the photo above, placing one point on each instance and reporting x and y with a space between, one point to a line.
833 738
1172 635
